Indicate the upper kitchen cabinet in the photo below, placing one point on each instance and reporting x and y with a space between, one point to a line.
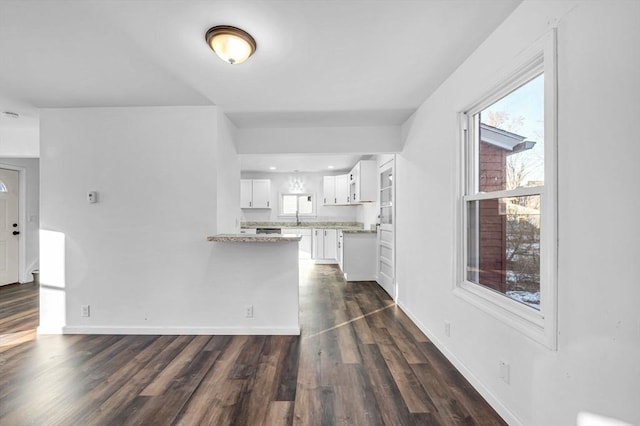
362 182
342 189
255 193
329 189
336 190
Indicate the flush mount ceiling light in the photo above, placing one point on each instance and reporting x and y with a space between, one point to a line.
231 44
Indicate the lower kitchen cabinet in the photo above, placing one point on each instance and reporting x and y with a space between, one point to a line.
305 244
325 245
358 256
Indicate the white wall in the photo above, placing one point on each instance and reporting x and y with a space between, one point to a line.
330 140
140 256
367 214
228 167
29 229
20 141
313 183
595 368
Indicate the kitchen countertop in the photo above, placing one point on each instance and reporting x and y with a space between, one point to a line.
252 238
358 231
351 226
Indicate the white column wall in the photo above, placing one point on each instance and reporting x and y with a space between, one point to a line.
228 169
139 256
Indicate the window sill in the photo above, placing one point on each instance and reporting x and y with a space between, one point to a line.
526 320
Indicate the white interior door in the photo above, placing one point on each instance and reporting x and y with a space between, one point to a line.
386 240
9 229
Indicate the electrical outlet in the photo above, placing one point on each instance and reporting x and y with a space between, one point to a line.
447 328
248 311
85 311
503 371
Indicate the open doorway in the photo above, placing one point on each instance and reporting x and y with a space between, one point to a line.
19 219
9 226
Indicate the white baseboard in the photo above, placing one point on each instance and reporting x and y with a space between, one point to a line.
172 331
49 330
497 405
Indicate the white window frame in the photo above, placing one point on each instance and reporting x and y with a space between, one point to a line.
298 194
541 325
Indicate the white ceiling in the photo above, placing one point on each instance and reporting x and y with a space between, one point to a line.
348 62
311 163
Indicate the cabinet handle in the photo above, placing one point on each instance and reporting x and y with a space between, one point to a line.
268 203
325 232
335 201
250 204
315 232
325 200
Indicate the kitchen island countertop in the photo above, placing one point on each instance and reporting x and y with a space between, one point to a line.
253 238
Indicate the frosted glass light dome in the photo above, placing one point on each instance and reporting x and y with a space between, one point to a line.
231 44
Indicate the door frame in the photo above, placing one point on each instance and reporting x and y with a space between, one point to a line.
383 160
22 218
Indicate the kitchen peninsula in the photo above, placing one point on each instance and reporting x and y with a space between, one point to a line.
261 272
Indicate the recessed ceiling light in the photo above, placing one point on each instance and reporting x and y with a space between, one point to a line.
231 44
272 168
330 167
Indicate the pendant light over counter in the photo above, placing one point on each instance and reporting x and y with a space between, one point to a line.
231 44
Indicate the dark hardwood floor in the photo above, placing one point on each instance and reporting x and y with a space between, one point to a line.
359 361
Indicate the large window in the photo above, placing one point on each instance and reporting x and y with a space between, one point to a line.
507 261
506 181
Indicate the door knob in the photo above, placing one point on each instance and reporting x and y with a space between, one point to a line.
15 225
16 232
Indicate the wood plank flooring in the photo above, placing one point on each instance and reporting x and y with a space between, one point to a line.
359 361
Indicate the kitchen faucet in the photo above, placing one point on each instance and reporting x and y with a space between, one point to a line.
297 218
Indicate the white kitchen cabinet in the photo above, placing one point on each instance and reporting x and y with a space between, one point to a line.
342 189
317 251
330 244
325 245
329 190
363 182
336 190
304 246
255 193
340 250
246 193
359 256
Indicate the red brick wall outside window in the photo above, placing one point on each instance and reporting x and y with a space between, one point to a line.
493 225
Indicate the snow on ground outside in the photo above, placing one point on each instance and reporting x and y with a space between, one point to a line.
528 298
